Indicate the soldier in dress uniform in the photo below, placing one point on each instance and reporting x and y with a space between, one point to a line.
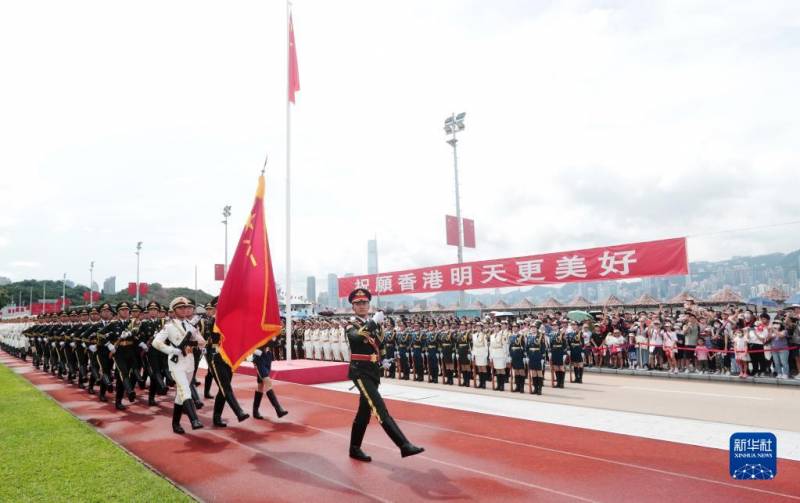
223 375
447 344
575 341
416 352
403 340
90 338
177 339
262 361
480 353
391 347
536 344
464 354
558 351
516 350
154 361
212 343
433 351
367 356
104 346
498 351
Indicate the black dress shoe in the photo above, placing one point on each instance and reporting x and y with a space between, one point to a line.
178 429
120 406
152 402
242 417
198 405
219 423
257 415
357 453
196 425
131 397
410 450
103 398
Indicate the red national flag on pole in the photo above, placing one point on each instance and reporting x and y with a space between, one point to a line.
247 310
294 73
469 232
451 228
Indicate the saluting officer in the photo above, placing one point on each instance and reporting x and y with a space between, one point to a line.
367 356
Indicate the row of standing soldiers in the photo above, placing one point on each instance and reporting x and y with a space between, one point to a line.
475 353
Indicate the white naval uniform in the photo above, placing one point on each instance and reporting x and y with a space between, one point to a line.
336 341
308 348
181 371
498 348
479 349
325 340
315 342
344 345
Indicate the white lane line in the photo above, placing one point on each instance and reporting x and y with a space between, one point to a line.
698 393
654 426
569 453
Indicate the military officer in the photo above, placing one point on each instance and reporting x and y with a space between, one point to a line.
558 348
575 342
391 347
177 340
498 351
262 361
536 344
464 354
416 352
446 339
516 350
480 353
432 351
403 341
367 356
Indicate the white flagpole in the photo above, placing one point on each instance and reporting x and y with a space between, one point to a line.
288 290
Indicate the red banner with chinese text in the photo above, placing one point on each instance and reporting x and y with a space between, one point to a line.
666 257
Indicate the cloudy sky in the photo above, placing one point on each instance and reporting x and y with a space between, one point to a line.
588 123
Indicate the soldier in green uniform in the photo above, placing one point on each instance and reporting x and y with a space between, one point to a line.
367 356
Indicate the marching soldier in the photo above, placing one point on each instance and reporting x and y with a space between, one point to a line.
212 343
262 361
178 339
516 350
154 361
223 376
368 354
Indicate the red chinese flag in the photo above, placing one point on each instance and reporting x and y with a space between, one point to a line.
294 73
143 288
469 232
451 227
219 272
247 310
86 296
131 289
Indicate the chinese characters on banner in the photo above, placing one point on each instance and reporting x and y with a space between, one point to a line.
665 257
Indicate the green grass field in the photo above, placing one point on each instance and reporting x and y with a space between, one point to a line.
47 455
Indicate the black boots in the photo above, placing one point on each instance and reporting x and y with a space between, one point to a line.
400 440
501 382
256 404
579 375
191 411
538 383
207 386
559 379
356 436
274 401
195 397
520 382
177 412
219 404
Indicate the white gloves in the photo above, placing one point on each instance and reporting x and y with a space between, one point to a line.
72 344
83 345
61 344
378 317
258 352
110 347
175 351
386 363
143 346
125 334
249 358
92 348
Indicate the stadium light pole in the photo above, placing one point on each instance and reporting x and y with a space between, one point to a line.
453 125
226 212
91 283
138 253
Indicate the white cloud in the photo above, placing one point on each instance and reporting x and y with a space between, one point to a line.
587 123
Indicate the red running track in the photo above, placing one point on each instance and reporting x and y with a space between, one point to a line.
468 456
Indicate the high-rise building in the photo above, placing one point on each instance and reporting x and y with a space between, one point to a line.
372 256
311 288
109 285
333 290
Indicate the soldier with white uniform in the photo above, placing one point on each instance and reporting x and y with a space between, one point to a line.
498 351
308 347
344 347
480 354
315 342
325 341
333 335
178 339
